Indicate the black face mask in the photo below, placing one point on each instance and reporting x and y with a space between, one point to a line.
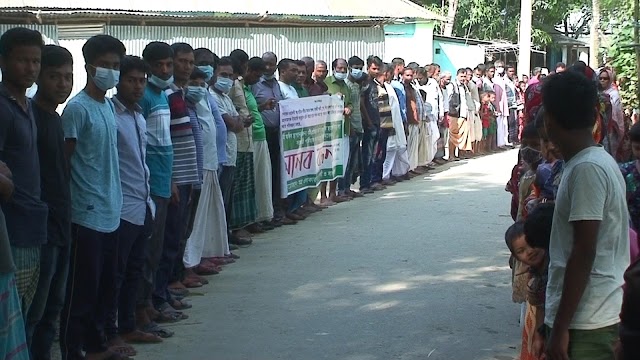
530 156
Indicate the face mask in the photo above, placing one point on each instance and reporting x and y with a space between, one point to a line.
106 79
224 85
207 70
268 76
195 93
340 76
500 70
530 156
356 73
161 84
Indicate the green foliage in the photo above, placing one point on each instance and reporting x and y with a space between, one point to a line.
623 60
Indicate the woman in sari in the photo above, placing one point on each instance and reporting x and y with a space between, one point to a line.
606 81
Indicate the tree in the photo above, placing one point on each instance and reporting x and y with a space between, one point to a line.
451 17
622 57
594 50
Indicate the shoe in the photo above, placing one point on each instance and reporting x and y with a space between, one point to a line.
233 247
388 182
255 229
366 191
295 217
267 226
232 256
287 221
378 187
239 241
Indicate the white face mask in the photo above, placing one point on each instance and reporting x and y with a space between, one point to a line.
106 79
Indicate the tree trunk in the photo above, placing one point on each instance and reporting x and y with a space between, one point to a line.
594 59
451 16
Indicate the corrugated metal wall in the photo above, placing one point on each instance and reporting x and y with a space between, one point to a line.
49 32
322 43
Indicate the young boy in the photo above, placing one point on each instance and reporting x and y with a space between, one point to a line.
489 124
54 86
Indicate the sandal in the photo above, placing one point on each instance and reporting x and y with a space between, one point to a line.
155 329
123 350
191 282
170 315
141 337
180 304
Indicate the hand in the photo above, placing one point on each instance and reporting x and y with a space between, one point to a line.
247 121
4 170
270 104
538 345
175 195
347 111
558 345
6 187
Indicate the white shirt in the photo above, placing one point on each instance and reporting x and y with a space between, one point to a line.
288 91
226 107
208 123
592 188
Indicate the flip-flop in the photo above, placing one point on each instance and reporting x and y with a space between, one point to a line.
155 329
141 337
180 304
123 350
170 315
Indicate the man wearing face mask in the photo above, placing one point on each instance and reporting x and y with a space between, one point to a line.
337 87
90 132
267 93
355 83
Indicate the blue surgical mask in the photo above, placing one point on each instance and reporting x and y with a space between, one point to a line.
195 93
357 73
224 85
106 79
207 70
340 76
161 84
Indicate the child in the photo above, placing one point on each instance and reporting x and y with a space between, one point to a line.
528 242
531 158
489 124
520 91
553 165
631 174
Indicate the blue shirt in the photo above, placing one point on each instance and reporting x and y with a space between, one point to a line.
402 98
134 173
155 109
96 194
221 129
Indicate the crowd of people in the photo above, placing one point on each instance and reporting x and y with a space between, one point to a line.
114 209
575 205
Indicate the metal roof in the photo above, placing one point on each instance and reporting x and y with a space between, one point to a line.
318 10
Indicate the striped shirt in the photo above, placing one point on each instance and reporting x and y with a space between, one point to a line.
155 109
185 155
384 107
197 137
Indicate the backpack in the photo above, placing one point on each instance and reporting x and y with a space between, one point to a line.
454 102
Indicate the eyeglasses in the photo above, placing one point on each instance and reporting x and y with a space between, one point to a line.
604 78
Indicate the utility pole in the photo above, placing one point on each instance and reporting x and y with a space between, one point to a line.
524 38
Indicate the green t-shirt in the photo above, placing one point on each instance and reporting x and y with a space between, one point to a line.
258 125
302 92
340 87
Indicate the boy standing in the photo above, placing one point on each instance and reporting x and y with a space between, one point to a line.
589 249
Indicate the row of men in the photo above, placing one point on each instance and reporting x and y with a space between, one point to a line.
149 191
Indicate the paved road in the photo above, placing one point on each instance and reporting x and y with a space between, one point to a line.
418 271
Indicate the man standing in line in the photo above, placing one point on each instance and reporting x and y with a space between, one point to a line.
267 93
137 207
159 159
415 109
338 87
589 248
90 132
54 86
398 68
511 82
371 120
26 213
354 82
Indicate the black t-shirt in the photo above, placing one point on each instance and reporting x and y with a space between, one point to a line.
54 179
25 212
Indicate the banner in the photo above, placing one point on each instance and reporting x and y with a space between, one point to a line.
312 142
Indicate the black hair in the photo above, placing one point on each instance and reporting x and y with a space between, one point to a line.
571 99
414 65
530 131
537 226
409 68
321 62
435 65
397 61
19 36
513 232
300 63
157 50
536 71
461 71
335 62
634 133
374 60
490 66
561 65
481 67
240 56
181 48
100 45
285 64
510 66
238 69
225 61
55 56
130 63
354 60
469 69
197 74
256 64
204 51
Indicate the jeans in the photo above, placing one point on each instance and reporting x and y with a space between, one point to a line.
353 163
189 217
273 142
42 318
369 142
381 155
153 252
90 292
297 200
132 243
173 233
